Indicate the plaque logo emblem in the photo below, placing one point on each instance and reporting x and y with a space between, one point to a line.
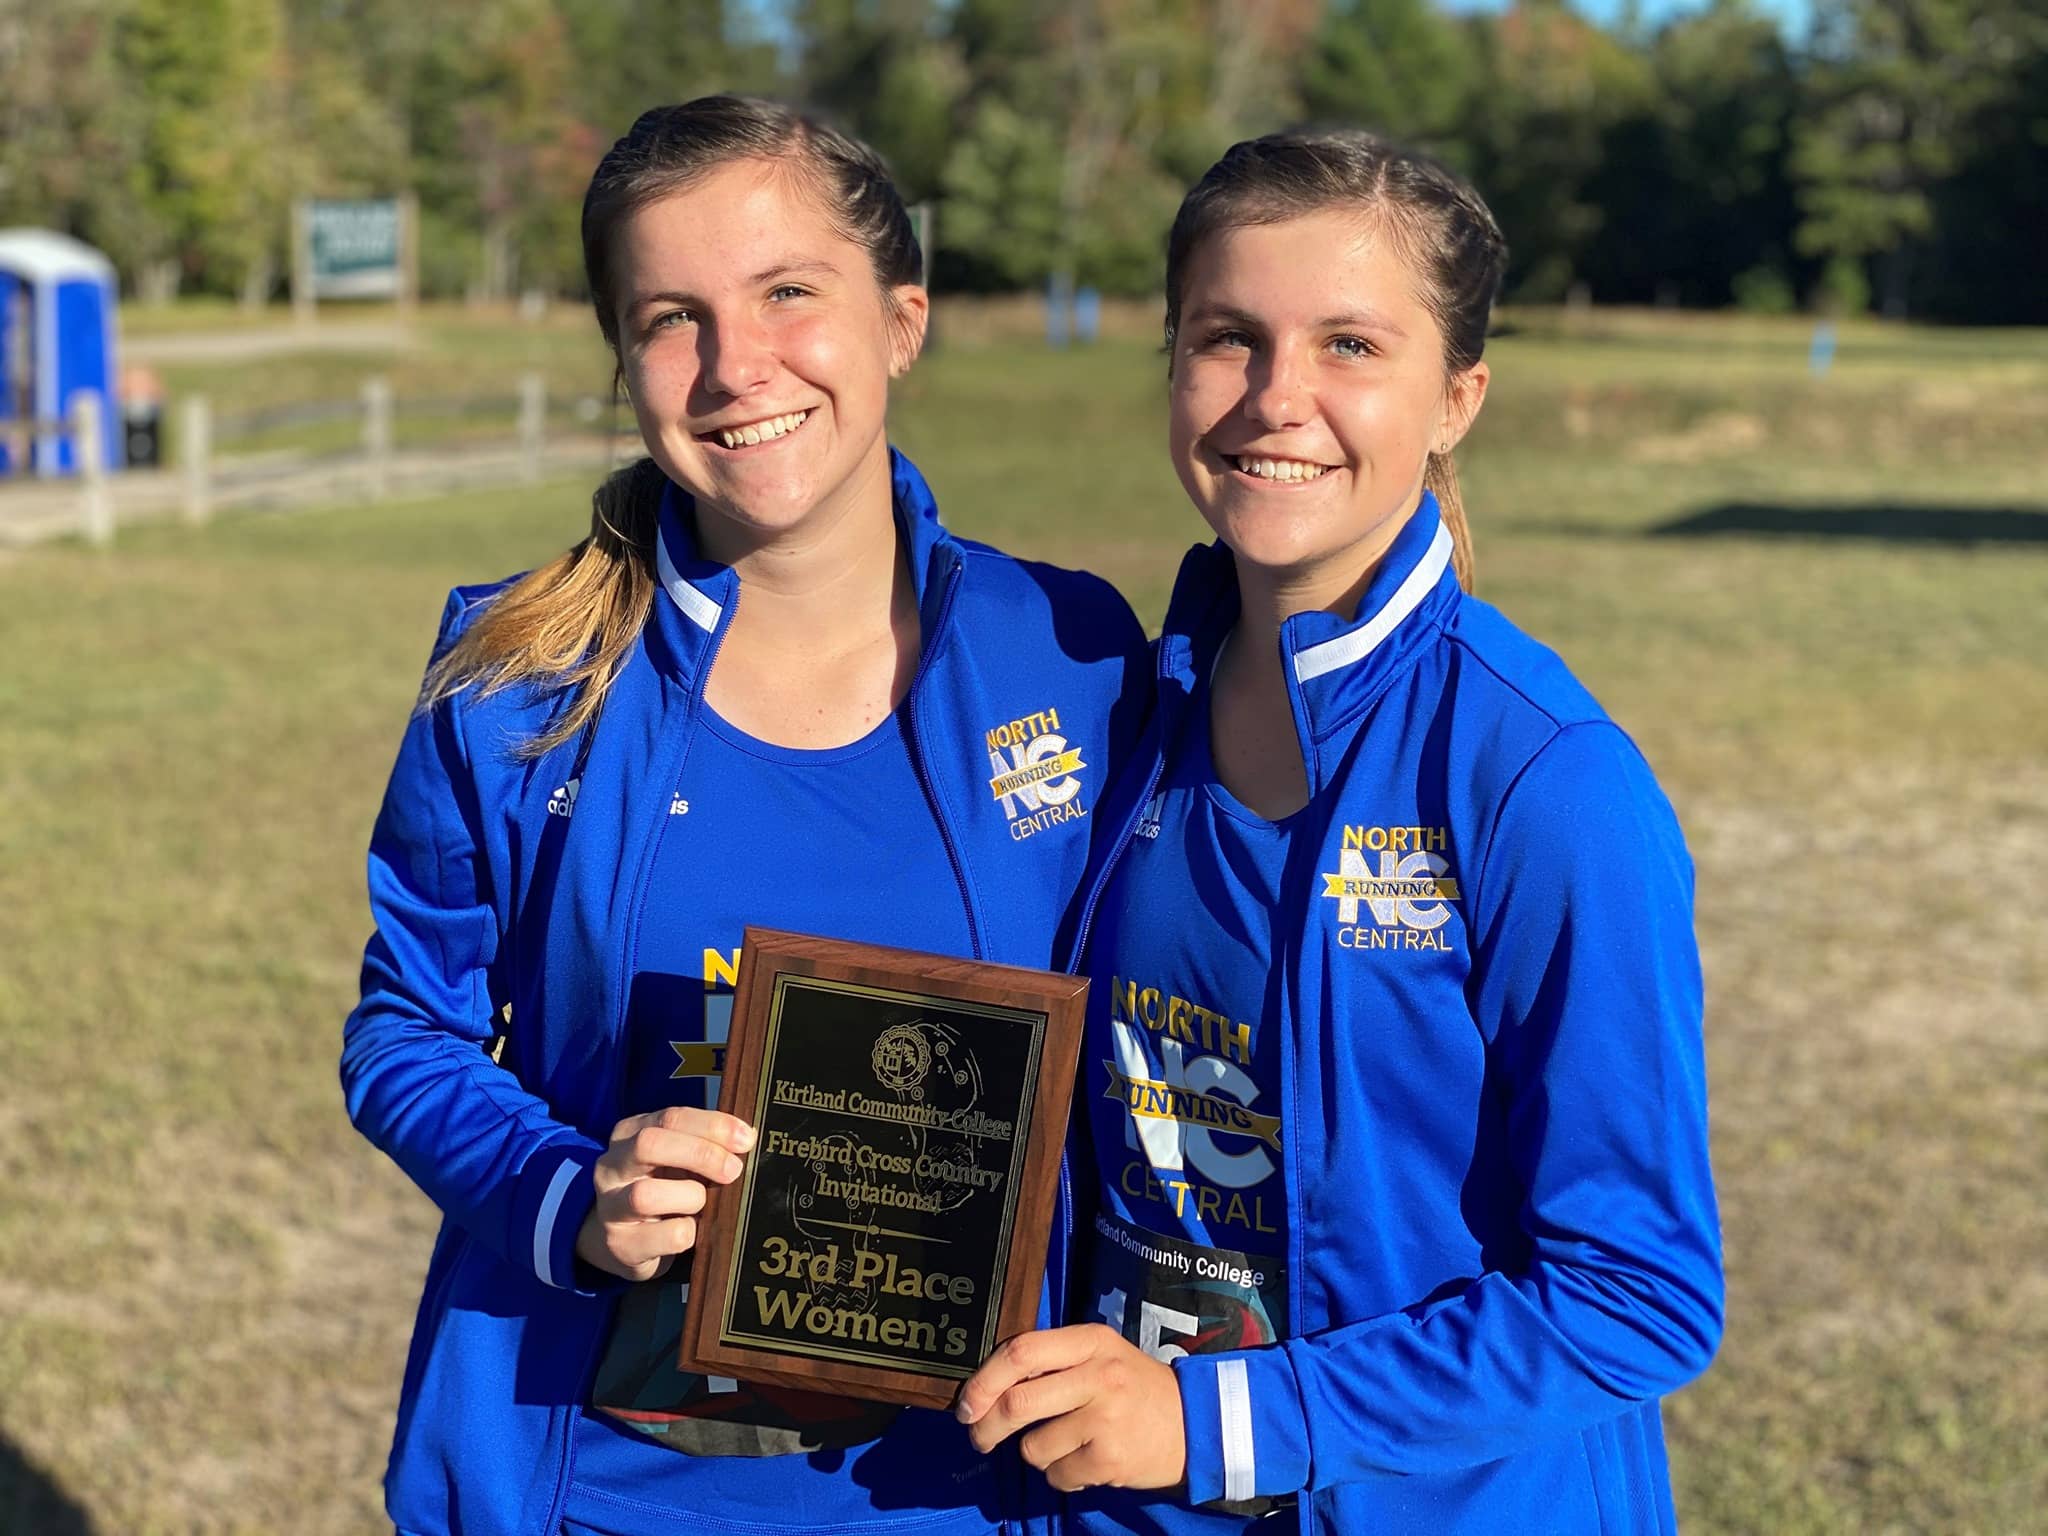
901 1057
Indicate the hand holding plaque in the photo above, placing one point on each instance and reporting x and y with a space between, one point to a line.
889 1229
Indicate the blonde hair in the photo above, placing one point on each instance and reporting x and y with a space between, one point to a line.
1444 225
1440 479
570 624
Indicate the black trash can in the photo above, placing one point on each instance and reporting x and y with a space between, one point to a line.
142 426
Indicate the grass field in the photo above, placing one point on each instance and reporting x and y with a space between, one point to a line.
1819 604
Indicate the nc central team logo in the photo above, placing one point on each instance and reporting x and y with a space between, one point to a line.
1182 1073
1404 894
1148 1099
1033 773
705 1059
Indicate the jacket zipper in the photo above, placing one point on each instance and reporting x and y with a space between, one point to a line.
1127 831
917 762
595 1352
1101 884
915 742
1092 901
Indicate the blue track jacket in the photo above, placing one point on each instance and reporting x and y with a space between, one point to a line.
497 882
1501 1239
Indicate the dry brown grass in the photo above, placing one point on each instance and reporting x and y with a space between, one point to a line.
206 1279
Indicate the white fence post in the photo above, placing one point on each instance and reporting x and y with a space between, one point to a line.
195 456
377 438
533 415
89 448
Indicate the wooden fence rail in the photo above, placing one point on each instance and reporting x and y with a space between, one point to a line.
93 504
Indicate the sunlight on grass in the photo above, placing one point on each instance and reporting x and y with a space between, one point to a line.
206 1279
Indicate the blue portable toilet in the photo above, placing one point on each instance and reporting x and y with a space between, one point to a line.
57 301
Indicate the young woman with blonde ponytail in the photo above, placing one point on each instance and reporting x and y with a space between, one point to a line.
768 688
1393 1083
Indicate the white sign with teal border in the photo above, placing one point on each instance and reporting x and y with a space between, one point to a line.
355 249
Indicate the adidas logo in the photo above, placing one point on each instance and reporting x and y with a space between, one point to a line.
1148 824
563 801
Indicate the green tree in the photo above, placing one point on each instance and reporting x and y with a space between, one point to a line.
1694 188
70 130
1398 67
1550 87
631 55
530 157
217 161
1081 103
885 72
1896 84
1992 214
350 140
1000 222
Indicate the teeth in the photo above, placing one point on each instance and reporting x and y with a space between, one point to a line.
763 431
1285 470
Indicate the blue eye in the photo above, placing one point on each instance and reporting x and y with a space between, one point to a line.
1352 346
661 322
1229 338
790 289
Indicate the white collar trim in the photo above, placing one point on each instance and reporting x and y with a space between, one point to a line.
697 608
1359 643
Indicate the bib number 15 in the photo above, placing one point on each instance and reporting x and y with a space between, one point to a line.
1154 1323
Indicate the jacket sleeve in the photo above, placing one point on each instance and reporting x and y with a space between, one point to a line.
1586 980
415 1064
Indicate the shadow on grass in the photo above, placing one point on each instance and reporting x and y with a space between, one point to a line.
1883 522
30 1501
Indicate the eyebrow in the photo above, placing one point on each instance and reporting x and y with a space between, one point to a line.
1210 312
781 269
794 269
1361 319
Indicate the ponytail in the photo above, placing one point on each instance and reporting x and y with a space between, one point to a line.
1440 479
568 625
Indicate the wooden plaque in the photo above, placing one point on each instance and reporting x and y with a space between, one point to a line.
889 1229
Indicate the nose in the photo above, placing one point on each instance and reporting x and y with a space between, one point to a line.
1277 391
734 357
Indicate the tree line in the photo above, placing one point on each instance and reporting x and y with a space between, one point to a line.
1896 157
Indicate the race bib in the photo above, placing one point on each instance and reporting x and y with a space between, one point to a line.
1174 1298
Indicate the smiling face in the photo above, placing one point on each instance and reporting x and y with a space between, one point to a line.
1308 392
758 347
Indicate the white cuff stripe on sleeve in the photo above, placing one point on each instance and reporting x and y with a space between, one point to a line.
1234 1397
544 1224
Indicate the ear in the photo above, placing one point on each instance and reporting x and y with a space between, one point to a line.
1463 395
910 313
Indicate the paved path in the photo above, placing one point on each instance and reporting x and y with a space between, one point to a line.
270 341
